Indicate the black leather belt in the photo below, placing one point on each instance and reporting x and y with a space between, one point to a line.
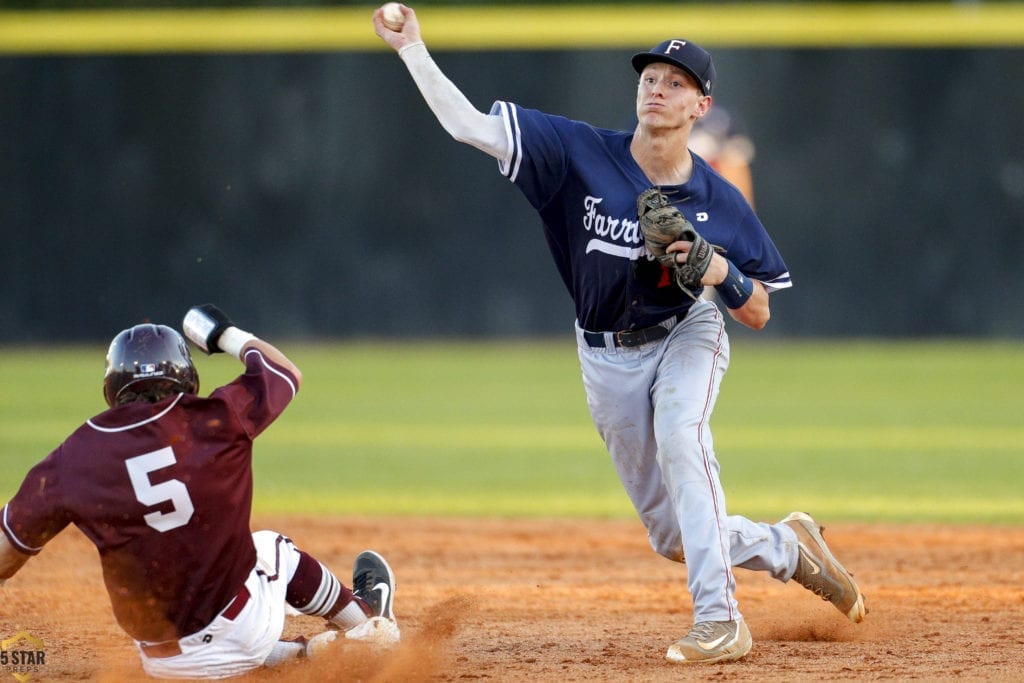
171 648
630 338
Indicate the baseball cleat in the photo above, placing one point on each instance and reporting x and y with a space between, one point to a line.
374 582
712 641
819 571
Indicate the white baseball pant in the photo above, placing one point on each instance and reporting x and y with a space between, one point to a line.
233 646
652 406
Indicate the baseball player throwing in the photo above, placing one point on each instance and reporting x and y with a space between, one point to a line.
637 226
161 483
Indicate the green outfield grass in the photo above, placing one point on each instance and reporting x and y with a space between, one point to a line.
909 431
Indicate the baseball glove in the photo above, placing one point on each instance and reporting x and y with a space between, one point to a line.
662 224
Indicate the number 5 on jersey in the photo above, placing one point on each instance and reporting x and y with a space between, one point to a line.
150 494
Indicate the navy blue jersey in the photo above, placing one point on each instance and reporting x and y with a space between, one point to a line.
584 183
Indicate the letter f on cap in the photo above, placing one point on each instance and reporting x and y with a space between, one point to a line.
674 45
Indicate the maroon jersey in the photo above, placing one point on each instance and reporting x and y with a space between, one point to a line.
164 491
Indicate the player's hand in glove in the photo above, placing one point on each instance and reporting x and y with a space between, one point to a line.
661 225
211 330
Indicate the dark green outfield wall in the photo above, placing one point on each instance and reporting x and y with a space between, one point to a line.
313 194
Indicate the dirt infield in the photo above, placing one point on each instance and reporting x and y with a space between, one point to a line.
572 600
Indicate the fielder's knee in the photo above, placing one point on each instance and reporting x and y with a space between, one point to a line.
672 550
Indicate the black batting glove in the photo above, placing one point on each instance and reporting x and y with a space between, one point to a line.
204 325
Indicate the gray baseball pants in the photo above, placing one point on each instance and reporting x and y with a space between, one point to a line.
652 406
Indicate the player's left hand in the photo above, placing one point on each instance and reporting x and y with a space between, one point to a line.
663 226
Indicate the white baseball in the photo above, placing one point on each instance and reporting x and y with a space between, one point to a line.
391 15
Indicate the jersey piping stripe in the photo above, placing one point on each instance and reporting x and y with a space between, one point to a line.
517 144
497 109
777 283
519 139
10 534
274 370
137 424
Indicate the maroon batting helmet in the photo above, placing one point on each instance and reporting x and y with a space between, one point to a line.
147 363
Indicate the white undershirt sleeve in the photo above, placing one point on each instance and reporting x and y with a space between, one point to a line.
453 110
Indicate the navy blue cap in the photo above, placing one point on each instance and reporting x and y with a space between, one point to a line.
689 57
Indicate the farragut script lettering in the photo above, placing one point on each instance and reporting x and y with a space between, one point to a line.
602 225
